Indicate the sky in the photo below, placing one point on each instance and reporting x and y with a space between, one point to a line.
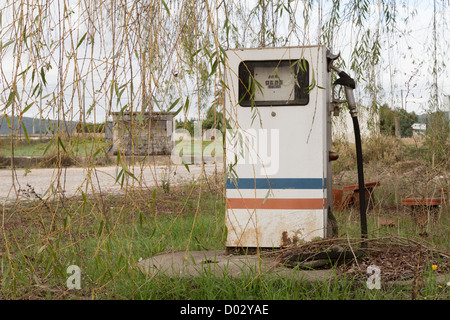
403 72
406 57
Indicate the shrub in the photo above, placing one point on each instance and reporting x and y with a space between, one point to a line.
386 149
437 140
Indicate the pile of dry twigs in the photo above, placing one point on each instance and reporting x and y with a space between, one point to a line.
397 258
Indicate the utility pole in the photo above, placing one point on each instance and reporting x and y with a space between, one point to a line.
398 131
40 119
401 92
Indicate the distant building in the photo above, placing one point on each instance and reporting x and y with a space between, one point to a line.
137 133
419 128
342 125
446 103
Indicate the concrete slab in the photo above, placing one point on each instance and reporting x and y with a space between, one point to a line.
218 263
95 179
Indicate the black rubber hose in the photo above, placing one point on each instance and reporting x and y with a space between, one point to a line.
362 191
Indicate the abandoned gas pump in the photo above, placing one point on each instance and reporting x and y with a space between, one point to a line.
278 189
278 145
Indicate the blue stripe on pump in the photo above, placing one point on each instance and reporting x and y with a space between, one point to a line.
277 183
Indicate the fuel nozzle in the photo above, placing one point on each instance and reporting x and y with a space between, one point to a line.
349 85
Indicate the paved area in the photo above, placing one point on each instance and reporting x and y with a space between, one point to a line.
71 181
218 263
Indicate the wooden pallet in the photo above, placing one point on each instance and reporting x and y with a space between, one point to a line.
352 199
423 202
423 209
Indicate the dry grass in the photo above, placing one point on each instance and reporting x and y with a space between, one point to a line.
400 258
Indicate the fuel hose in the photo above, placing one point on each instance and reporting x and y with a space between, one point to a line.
349 85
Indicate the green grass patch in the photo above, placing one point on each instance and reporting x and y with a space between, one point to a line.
37 148
106 237
196 148
88 146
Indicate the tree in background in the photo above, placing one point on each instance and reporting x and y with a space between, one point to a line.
214 119
186 125
406 121
388 119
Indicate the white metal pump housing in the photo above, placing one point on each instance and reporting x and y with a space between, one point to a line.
278 188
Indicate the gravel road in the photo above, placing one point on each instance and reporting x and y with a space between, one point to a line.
44 182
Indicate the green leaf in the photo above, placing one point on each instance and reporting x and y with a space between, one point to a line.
90 109
140 218
35 88
185 106
116 88
119 175
25 132
223 84
24 71
132 175
27 108
267 196
97 152
8 121
118 158
166 7
173 104
100 228
122 110
11 96
128 172
81 40
61 144
2 46
48 146
83 195
43 76
224 53
214 67
153 202
187 167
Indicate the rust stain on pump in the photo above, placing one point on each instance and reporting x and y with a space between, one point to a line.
285 240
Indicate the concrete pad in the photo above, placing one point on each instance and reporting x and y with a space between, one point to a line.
94 179
218 263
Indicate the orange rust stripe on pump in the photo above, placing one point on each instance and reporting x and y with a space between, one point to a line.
299 204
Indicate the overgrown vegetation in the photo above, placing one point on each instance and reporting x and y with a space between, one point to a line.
48 147
391 119
82 60
107 237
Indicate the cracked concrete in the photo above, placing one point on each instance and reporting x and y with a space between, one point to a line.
219 263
